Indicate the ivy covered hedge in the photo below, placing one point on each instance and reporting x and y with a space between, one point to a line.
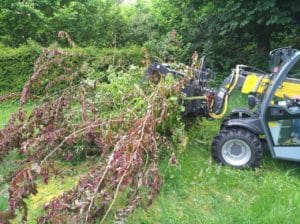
16 64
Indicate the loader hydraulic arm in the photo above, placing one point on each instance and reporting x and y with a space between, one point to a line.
199 99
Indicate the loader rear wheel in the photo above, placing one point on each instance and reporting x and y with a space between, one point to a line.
238 148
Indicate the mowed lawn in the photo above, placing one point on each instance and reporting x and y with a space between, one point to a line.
200 191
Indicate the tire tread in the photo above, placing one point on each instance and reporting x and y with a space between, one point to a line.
241 133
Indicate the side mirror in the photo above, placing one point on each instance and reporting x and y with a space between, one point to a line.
252 101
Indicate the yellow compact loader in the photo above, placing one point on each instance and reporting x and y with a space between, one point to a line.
273 115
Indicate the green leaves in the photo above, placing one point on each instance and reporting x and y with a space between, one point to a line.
21 21
92 22
228 32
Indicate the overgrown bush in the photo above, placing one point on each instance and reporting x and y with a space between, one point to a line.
101 59
168 48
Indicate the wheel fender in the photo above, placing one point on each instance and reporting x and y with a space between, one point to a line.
241 112
252 125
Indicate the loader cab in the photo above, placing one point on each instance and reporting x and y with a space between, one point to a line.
280 111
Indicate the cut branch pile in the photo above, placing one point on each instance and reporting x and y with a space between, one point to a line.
127 144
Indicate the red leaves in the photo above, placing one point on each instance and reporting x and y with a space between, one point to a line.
9 96
21 187
84 114
46 177
173 160
126 166
69 156
63 34
48 59
71 140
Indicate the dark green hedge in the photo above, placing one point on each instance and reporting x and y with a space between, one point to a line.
16 65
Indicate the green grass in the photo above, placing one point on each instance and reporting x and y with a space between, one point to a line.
9 163
8 108
198 190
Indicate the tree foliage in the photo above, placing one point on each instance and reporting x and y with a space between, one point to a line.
229 32
92 22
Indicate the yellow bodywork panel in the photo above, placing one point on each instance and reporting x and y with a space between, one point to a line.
258 84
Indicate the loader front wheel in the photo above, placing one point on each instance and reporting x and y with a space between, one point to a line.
237 147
